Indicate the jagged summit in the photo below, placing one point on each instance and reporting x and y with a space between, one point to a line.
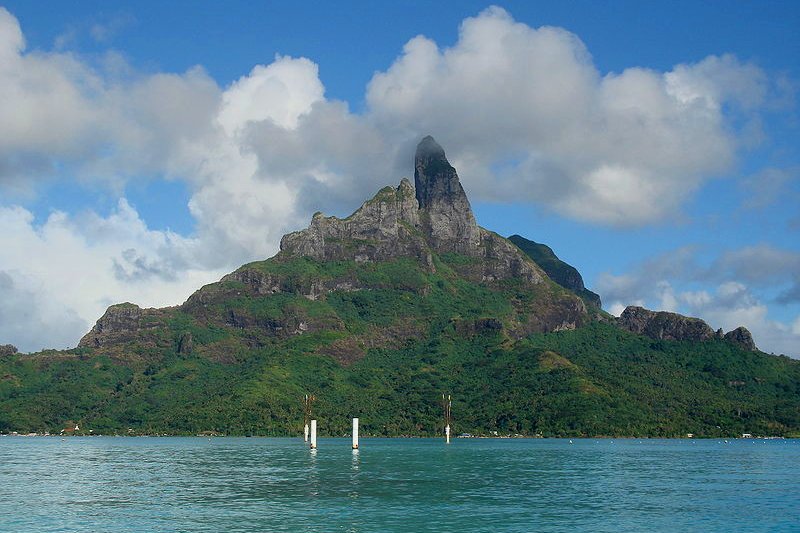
430 231
428 149
433 218
664 325
447 215
385 226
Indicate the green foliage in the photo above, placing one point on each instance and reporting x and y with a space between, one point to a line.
415 334
180 322
597 380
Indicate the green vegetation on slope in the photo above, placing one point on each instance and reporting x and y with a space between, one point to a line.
385 352
596 380
562 273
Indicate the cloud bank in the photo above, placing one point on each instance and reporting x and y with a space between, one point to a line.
524 113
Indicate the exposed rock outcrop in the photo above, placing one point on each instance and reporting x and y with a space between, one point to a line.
502 260
664 325
122 323
672 326
742 337
7 349
384 227
445 211
264 283
409 222
295 322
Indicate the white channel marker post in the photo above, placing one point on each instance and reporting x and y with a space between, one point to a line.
446 406
305 433
313 434
355 433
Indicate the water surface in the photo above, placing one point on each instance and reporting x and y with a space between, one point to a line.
259 484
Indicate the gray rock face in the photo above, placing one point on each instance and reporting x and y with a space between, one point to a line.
120 323
445 210
409 222
672 326
503 260
260 283
7 349
663 325
384 227
742 337
286 326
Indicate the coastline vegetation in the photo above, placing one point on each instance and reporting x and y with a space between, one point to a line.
593 381
385 350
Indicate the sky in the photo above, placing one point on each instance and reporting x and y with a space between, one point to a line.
149 148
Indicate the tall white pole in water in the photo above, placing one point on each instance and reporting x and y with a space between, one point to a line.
313 434
305 433
355 433
446 404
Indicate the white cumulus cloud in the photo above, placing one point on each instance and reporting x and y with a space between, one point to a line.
622 148
280 92
57 277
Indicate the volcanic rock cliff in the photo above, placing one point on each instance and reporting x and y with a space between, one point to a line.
432 221
663 325
444 209
434 217
427 233
417 257
7 349
122 323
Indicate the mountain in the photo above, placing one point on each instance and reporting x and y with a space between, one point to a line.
562 273
378 314
421 242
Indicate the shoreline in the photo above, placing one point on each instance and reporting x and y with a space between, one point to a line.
461 437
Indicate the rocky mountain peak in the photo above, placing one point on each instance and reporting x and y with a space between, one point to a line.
121 323
663 325
384 227
429 162
448 217
7 349
742 337
405 221
672 326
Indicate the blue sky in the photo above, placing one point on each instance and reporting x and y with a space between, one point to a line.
153 147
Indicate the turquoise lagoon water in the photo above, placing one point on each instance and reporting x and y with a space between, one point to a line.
260 484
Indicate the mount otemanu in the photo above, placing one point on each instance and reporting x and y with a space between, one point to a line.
380 313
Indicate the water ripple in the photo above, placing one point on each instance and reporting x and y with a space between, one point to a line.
199 484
